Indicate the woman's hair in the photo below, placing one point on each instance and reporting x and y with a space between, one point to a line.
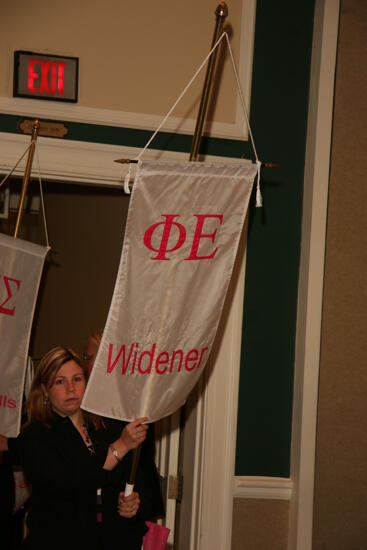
38 406
91 347
96 336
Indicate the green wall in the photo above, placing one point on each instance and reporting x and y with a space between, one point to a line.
279 107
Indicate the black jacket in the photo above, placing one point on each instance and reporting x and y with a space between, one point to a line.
65 476
7 499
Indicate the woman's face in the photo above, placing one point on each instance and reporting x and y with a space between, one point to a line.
67 390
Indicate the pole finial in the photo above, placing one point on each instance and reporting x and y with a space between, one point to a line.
221 13
222 10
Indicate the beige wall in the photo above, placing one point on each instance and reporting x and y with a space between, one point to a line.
260 524
134 56
341 473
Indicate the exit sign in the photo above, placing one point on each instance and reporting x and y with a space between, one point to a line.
41 76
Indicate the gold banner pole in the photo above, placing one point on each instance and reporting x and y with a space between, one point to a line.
221 13
134 466
26 177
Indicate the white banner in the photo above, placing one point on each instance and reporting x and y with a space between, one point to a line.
184 224
21 265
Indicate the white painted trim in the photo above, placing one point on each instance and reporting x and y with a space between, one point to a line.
172 467
78 161
138 121
220 428
310 295
274 488
246 56
197 469
75 113
74 161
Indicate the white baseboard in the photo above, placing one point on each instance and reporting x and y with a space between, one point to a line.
275 488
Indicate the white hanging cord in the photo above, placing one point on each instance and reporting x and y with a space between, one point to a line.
181 95
259 198
127 180
259 202
128 174
241 97
258 163
12 170
42 201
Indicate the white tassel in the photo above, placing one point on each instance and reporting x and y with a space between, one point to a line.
127 180
259 199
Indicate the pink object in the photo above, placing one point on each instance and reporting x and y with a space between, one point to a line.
156 537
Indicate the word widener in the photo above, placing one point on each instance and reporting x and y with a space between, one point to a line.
131 359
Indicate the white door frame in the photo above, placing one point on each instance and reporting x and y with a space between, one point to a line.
310 293
220 421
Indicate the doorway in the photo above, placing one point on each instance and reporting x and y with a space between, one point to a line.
86 226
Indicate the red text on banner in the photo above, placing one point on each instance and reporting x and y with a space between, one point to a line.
168 225
10 284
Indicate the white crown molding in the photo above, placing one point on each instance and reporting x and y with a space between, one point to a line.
77 161
74 161
274 488
64 160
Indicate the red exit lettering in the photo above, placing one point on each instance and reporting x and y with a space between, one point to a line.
46 77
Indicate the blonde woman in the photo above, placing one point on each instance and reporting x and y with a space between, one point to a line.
72 464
